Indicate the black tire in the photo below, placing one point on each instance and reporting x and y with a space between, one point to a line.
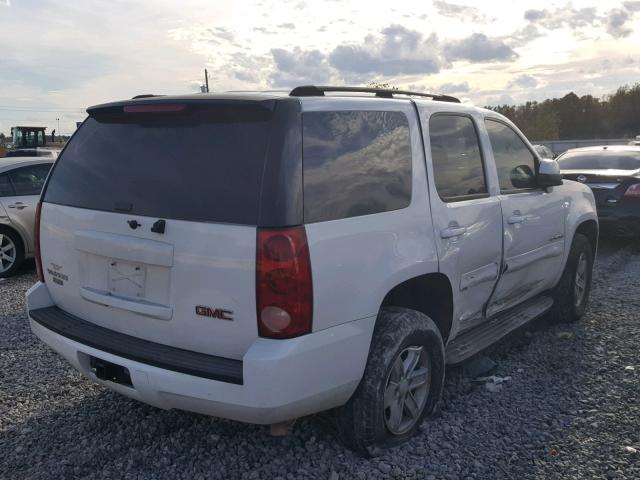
19 252
566 307
362 421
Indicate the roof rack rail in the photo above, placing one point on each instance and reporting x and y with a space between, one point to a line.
145 95
319 91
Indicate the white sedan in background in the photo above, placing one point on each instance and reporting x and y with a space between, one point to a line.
21 180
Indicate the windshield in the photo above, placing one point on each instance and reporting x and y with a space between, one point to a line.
204 164
600 160
30 153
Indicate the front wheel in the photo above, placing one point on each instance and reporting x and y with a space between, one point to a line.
402 383
571 295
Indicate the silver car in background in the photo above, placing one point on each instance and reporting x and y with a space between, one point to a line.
21 180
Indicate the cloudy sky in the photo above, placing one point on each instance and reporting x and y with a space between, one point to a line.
57 57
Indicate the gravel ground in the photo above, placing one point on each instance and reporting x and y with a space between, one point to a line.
570 410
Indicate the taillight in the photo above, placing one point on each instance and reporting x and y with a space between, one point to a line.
157 108
284 293
36 242
633 191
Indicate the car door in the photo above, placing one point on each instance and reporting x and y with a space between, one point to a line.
467 219
20 204
533 221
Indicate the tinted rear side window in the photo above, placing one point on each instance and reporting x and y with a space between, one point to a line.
204 164
355 163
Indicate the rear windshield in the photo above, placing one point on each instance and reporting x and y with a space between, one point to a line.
600 160
202 164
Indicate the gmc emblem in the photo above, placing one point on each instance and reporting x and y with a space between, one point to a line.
214 312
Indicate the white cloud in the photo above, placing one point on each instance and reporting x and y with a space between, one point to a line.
451 88
616 21
523 81
63 56
460 12
395 50
479 48
566 16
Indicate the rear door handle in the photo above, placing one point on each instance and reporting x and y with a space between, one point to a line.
18 205
513 219
450 232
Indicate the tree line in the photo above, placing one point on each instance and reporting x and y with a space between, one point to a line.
579 118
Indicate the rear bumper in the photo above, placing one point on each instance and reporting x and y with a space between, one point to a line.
623 227
622 222
620 219
281 379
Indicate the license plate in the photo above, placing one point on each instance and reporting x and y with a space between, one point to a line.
127 279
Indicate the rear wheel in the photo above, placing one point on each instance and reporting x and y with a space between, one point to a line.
402 383
11 253
571 295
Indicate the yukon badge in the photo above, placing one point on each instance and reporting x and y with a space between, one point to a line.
214 312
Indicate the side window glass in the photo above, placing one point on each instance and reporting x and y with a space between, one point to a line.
6 189
355 163
29 180
514 161
457 161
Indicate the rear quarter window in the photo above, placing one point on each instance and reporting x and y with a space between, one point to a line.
355 163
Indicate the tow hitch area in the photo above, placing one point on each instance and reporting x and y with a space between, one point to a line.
110 371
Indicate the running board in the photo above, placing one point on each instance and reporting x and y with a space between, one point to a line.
478 338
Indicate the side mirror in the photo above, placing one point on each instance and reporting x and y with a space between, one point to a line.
548 173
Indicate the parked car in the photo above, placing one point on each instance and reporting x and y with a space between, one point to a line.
33 152
544 152
613 173
21 180
636 141
262 257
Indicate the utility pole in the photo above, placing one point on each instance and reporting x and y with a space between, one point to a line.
58 120
206 80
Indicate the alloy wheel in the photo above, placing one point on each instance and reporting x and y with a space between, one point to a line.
8 253
407 389
580 284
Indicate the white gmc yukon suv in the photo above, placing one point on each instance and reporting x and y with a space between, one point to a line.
261 257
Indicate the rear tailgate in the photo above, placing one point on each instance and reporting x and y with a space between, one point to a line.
148 223
149 286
